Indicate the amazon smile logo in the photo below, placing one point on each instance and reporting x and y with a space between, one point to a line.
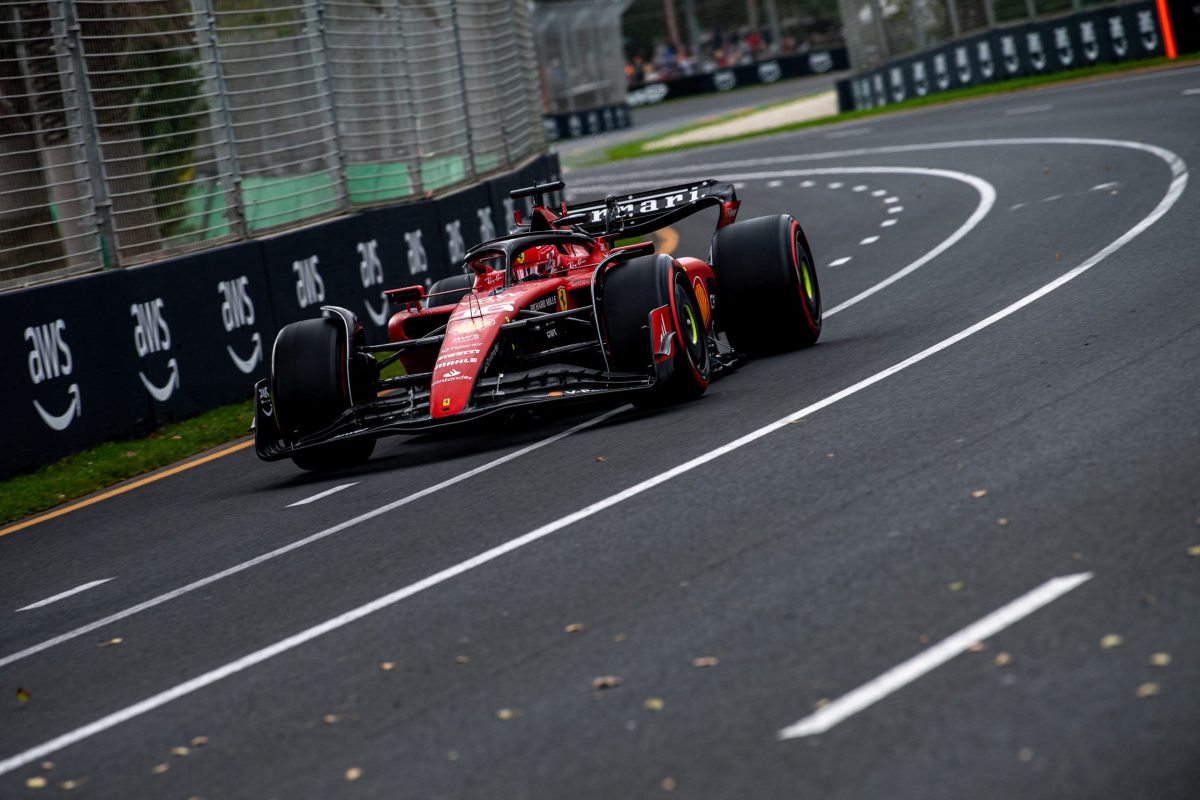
237 312
50 358
151 334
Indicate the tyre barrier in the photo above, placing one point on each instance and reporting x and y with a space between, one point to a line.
117 354
1116 33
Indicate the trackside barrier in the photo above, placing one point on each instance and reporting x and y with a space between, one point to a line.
119 353
1116 33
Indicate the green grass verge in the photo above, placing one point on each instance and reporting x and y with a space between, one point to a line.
637 147
107 464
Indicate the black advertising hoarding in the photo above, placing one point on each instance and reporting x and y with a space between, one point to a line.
202 329
464 219
71 377
588 122
1118 33
404 248
315 266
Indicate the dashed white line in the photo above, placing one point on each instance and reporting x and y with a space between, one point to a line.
890 200
774 184
296 545
836 185
62 595
807 184
1175 190
1015 206
887 223
870 240
838 262
1051 198
879 193
1191 91
903 674
847 134
1027 110
321 495
739 186
895 209
859 188
1100 187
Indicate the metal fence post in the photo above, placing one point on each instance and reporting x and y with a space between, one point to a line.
97 175
214 78
314 12
462 79
405 95
880 31
1031 8
989 10
952 11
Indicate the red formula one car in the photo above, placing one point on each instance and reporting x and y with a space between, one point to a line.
550 313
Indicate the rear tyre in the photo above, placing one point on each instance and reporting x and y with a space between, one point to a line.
458 285
648 306
768 297
308 386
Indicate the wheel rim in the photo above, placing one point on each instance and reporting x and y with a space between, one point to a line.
690 330
809 289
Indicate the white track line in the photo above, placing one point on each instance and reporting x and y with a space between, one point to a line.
903 674
838 262
1191 91
870 240
887 223
62 595
296 545
879 193
860 188
1012 112
1178 184
321 495
836 185
890 200
895 209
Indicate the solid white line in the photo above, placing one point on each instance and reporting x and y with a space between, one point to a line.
60 596
1191 91
870 240
296 545
1027 110
1174 191
840 261
903 674
321 495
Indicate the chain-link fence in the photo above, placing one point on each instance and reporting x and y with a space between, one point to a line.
134 130
880 30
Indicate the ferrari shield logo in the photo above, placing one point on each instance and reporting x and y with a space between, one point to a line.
562 298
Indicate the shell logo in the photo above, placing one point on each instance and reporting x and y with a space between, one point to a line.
469 325
702 299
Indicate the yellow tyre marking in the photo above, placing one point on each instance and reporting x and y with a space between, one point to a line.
129 487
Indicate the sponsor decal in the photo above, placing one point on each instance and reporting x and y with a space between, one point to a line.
237 311
820 62
1037 54
648 95
701 298
896 78
769 71
264 401
418 261
455 362
1062 45
962 63
649 204
487 228
456 248
544 303
920 78
1116 32
1147 29
370 272
151 334
50 358
469 325
445 402
724 80
983 51
310 288
1008 51
1087 35
485 310
941 71
562 298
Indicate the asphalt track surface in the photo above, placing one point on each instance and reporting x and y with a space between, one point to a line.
811 560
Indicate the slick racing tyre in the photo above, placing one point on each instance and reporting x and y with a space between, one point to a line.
768 299
653 324
308 382
457 285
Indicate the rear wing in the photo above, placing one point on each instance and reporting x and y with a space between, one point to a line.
640 213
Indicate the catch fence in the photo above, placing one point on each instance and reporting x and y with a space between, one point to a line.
134 131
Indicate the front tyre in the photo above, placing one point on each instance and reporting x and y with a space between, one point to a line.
768 297
309 390
653 324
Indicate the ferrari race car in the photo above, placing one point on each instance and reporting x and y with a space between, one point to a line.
553 312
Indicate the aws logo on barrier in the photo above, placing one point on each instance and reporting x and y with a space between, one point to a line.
151 334
50 358
237 312
370 271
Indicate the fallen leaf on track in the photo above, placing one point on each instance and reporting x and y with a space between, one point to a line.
1002 521
159 769
978 647
620 637
667 784
957 586
462 659
705 661
574 627
181 752
1002 659
47 765
601 458
22 696
73 783
978 493
606 682
111 642
505 713
330 719
199 741
1025 754
824 701
387 666
353 774
1194 550
36 782
654 704
1110 641
1147 690
1160 659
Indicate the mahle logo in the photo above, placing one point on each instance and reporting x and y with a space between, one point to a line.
50 358
151 334
237 311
